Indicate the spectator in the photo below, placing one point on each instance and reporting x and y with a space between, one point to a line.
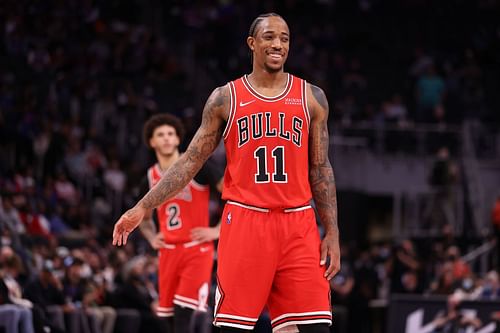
490 288
443 177
460 268
137 293
429 93
404 261
14 318
45 291
495 219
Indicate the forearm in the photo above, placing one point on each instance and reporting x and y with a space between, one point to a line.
324 194
148 229
174 180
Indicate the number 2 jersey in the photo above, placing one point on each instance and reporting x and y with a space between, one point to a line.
266 142
189 208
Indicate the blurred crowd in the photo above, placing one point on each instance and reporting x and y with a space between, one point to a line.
78 79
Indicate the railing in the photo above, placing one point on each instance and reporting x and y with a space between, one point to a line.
482 253
473 180
410 138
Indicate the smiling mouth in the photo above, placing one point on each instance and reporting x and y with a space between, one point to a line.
275 56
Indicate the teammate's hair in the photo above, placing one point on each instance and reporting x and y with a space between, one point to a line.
158 120
255 25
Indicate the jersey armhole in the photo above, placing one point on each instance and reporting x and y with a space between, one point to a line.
150 177
232 110
305 108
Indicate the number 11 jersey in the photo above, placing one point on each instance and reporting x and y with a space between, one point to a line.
267 148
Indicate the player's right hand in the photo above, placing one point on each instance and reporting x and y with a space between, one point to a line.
158 241
126 224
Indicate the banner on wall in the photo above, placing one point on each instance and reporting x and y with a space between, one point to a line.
429 314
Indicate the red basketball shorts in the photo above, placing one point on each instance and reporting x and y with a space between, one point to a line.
184 274
270 258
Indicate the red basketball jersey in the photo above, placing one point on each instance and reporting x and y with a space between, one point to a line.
187 210
266 140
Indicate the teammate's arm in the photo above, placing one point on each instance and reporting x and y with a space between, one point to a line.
207 234
322 179
148 230
183 170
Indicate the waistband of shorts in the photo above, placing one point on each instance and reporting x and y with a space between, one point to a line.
267 210
184 245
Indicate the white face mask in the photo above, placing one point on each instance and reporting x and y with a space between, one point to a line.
85 271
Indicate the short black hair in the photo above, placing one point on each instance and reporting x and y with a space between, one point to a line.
258 19
158 120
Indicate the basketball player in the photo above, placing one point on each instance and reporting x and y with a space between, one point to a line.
184 240
274 127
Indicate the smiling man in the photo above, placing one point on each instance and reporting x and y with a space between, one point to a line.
274 127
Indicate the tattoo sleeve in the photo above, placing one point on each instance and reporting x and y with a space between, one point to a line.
203 144
321 175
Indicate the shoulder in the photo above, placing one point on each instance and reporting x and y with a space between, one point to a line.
317 102
219 101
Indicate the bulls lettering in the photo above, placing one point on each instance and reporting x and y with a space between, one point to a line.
258 125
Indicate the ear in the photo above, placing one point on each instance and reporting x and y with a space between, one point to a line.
251 43
177 141
150 142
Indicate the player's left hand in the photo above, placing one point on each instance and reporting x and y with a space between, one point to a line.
330 249
205 234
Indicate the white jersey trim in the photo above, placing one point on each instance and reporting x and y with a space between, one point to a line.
150 177
315 313
228 316
304 102
186 299
278 97
301 322
185 245
243 327
188 305
266 210
298 209
161 308
239 204
232 110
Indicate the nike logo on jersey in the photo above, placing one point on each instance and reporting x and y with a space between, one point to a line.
246 103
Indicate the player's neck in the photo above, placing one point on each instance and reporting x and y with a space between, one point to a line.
166 161
260 78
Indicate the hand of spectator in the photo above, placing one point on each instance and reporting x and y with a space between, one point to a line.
158 241
126 224
68 307
330 249
205 234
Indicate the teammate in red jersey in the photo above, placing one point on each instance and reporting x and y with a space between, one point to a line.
184 240
274 126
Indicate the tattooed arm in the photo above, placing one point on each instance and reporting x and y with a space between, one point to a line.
322 179
184 169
